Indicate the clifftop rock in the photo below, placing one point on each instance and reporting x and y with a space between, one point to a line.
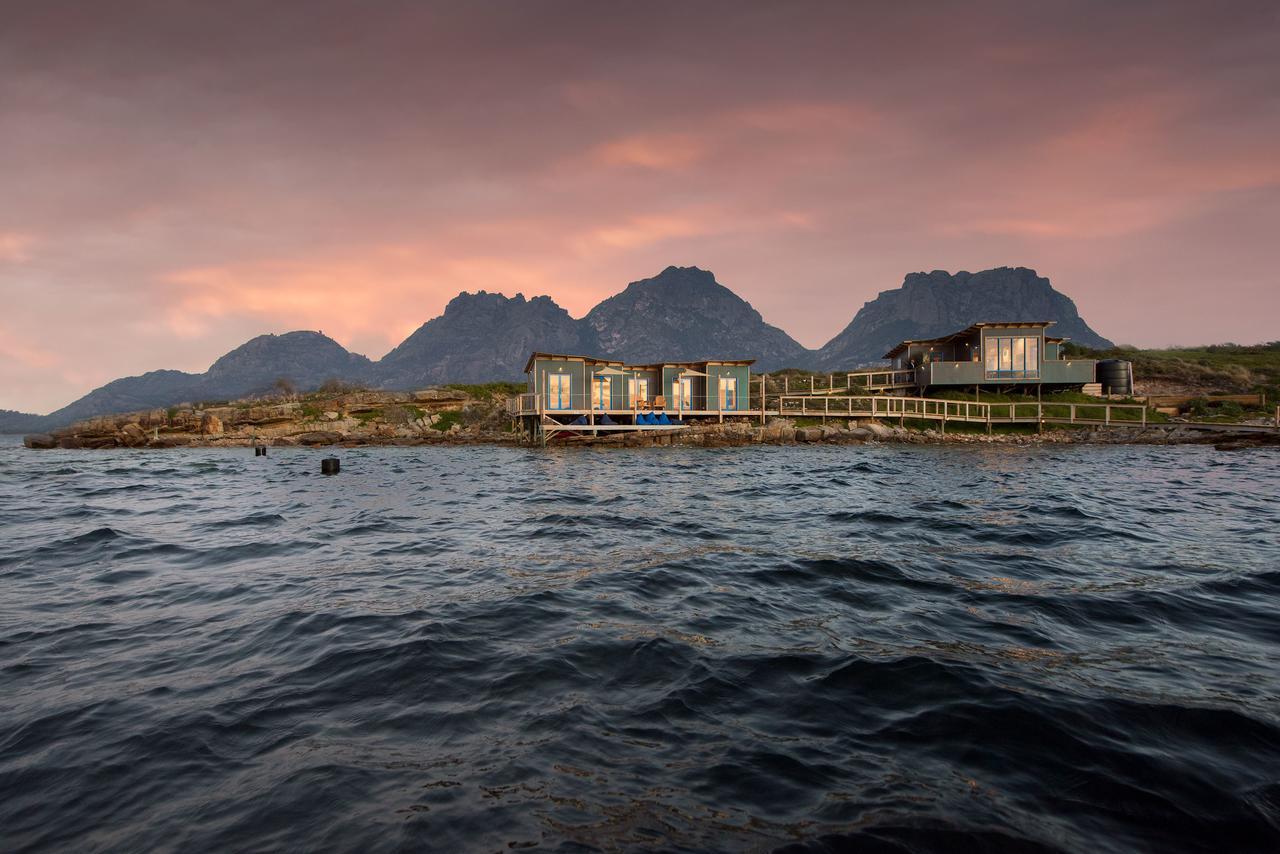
933 304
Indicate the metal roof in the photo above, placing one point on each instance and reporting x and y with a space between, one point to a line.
655 366
594 360
967 331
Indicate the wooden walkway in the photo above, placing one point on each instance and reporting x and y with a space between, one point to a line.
961 411
852 382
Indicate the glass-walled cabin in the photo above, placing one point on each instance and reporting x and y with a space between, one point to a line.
992 354
578 384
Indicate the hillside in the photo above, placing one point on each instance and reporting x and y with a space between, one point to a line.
1212 369
684 313
481 337
932 304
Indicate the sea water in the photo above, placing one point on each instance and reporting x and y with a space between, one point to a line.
808 648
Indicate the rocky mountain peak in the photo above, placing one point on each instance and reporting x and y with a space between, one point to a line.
684 313
938 302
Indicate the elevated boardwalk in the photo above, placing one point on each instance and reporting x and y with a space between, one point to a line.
827 403
853 382
960 411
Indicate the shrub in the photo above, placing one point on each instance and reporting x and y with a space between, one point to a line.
447 419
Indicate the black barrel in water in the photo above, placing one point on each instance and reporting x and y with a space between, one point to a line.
330 465
1115 376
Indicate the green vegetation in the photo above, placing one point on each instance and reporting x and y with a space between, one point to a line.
446 420
1215 369
1055 405
310 411
487 391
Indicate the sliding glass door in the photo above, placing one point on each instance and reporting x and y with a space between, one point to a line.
1013 357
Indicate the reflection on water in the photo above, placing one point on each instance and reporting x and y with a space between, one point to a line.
689 649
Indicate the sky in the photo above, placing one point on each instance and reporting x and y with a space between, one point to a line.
177 177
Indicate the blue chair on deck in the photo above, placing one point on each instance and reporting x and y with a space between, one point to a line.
606 420
663 419
581 419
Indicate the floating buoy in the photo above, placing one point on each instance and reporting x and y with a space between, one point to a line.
259 450
329 465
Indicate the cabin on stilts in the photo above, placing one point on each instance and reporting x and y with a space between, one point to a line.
1005 356
573 394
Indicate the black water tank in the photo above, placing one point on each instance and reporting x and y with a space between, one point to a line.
1116 376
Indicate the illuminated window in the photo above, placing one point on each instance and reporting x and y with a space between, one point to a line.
558 396
602 392
1014 358
728 393
639 387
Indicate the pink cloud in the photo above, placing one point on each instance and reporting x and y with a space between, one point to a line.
14 246
663 152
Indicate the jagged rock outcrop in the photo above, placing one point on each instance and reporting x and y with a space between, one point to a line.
482 337
684 313
932 304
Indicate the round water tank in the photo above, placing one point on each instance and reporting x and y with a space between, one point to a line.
1115 376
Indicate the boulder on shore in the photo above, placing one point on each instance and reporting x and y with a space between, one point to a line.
132 436
41 441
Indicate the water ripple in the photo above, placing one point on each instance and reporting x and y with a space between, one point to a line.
802 649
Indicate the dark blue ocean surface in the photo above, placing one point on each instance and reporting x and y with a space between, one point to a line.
483 649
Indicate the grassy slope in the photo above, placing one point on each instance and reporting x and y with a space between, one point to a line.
1219 368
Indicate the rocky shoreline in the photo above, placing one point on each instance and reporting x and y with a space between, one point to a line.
445 416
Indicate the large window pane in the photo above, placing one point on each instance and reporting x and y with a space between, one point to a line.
993 360
1033 355
1019 354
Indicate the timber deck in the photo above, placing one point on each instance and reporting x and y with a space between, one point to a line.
884 406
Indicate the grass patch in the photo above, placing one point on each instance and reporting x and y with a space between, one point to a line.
1055 405
1216 368
487 391
447 419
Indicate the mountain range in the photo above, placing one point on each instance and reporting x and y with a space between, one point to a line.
682 313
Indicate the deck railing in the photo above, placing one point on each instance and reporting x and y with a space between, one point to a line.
848 382
552 403
887 406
